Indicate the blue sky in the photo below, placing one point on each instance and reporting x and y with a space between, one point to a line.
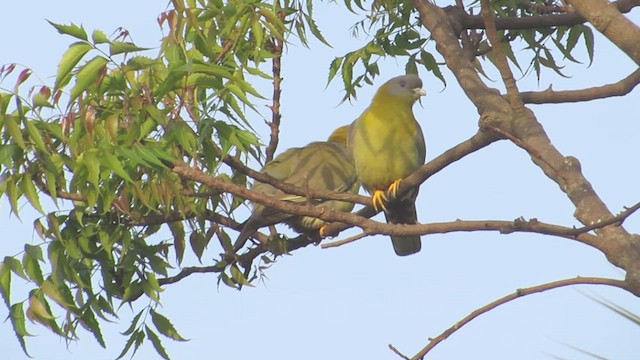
352 301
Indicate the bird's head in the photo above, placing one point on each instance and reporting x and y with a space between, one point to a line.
339 135
406 87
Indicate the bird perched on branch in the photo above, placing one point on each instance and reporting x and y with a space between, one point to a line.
387 145
321 165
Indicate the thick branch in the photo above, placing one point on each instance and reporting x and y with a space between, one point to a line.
549 96
464 21
605 17
516 295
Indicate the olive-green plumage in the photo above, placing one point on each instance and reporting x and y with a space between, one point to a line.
321 165
387 145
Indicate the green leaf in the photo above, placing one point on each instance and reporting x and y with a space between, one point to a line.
198 243
157 344
87 75
177 229
70 59
410 67
136 339
40 100
589 43
19 327
165 327
30 263
119 47
12 127
30 192
238 276
430 64
112 163
99 37
90 161
133 325
12 193
15 266
51 290
89 320
333 68
5 282
72 30
315 30
574 35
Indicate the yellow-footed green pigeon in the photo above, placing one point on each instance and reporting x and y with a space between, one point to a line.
387 145
321 165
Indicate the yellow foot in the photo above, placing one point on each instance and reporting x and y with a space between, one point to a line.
378 200
321 231
393 188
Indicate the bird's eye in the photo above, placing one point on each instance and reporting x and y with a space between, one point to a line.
403 83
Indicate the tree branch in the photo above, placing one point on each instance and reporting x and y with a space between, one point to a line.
463 21
605 17
517 294
501 226
276 65
549 96
620 247
513 94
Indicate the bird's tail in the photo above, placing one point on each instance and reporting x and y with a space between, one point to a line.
404 212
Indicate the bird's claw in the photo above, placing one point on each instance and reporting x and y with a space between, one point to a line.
393 188
321 231
378 200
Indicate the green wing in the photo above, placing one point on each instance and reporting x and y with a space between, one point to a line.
318 166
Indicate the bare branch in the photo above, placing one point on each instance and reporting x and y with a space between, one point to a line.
517 294
344 241
463 21
500 58
618 219
276 65
397 352
501 226
549 96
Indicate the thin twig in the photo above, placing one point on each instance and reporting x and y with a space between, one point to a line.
550 96
500 57
344 241
518 294
618 219
274 124
393 348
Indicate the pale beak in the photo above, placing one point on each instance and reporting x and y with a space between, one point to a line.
419 92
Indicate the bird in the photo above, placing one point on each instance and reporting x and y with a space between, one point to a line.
320 165
387 144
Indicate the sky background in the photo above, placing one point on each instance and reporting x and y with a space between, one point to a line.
352 301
